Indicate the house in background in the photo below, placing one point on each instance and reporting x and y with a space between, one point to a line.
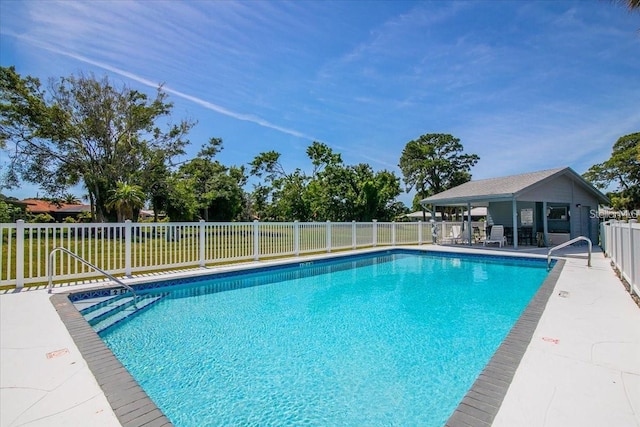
556 205
59 211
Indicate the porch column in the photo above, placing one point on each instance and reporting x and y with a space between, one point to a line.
514 205
545 227
434 225
469 230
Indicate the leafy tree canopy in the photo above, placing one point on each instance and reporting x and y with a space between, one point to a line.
83 130
622 169
434 163
334 191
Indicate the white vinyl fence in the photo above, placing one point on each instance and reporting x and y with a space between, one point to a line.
128 248
621 243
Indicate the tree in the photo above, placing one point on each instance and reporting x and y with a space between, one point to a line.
334 191
125 199
83 130
10 212
631 4
282 198
70 199
217 188
344 193
621 169
434 163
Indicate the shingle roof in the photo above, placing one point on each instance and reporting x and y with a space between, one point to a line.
43 206
503 187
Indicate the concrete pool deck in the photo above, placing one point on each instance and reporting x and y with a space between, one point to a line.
581 368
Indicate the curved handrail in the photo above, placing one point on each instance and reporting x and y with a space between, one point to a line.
84 261
570 242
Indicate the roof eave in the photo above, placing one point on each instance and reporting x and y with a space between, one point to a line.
463 201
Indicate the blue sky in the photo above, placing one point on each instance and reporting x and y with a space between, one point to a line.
526 85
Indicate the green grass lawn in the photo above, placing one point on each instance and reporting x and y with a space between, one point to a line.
154 249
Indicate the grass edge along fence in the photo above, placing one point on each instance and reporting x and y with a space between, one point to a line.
133 248
621 243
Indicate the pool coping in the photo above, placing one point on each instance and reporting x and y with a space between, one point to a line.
479 407
130 403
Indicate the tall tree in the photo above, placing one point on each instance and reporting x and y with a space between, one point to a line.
334 191
216 189
434 163
82 129
281 197
622 169
70 199
126 199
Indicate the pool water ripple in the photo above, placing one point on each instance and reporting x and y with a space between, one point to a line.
396 341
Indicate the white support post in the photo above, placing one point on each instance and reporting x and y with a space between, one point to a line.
353 234
19 254
545 223
375 233
469 225
328 236
393 233
514 208
296 238
202 242
256 240
419 232
633 280
127 247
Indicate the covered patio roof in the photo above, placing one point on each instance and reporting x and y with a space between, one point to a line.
481 192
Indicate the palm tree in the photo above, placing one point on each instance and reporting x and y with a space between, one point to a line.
125 198
70 199
633 4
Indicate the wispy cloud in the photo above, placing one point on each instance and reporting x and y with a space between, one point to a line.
527 85
203 103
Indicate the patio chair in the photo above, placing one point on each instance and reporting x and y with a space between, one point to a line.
454 235
497 236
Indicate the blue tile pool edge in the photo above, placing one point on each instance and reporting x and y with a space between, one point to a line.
161 282
482 402
133 407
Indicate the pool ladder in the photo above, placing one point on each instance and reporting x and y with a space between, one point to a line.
565 244
84 261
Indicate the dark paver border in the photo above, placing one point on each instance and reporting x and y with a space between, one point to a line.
479 407
129 401
482 402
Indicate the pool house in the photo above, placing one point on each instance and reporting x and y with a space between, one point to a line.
543 208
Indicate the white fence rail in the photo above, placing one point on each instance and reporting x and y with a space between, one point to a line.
128 248
621 242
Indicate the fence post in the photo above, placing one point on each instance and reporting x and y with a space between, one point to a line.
375 233
256 240
632 279
203 243
296 237
353 234
328 236
393 233
127 247
419 232
19 254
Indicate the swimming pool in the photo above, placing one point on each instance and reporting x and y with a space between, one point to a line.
395 339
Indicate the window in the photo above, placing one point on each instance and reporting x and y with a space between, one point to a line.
557 212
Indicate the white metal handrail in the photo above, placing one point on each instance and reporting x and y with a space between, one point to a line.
84 261
570 242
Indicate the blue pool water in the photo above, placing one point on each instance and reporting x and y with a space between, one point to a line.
395 339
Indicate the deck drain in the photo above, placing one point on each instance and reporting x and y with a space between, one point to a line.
563 294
